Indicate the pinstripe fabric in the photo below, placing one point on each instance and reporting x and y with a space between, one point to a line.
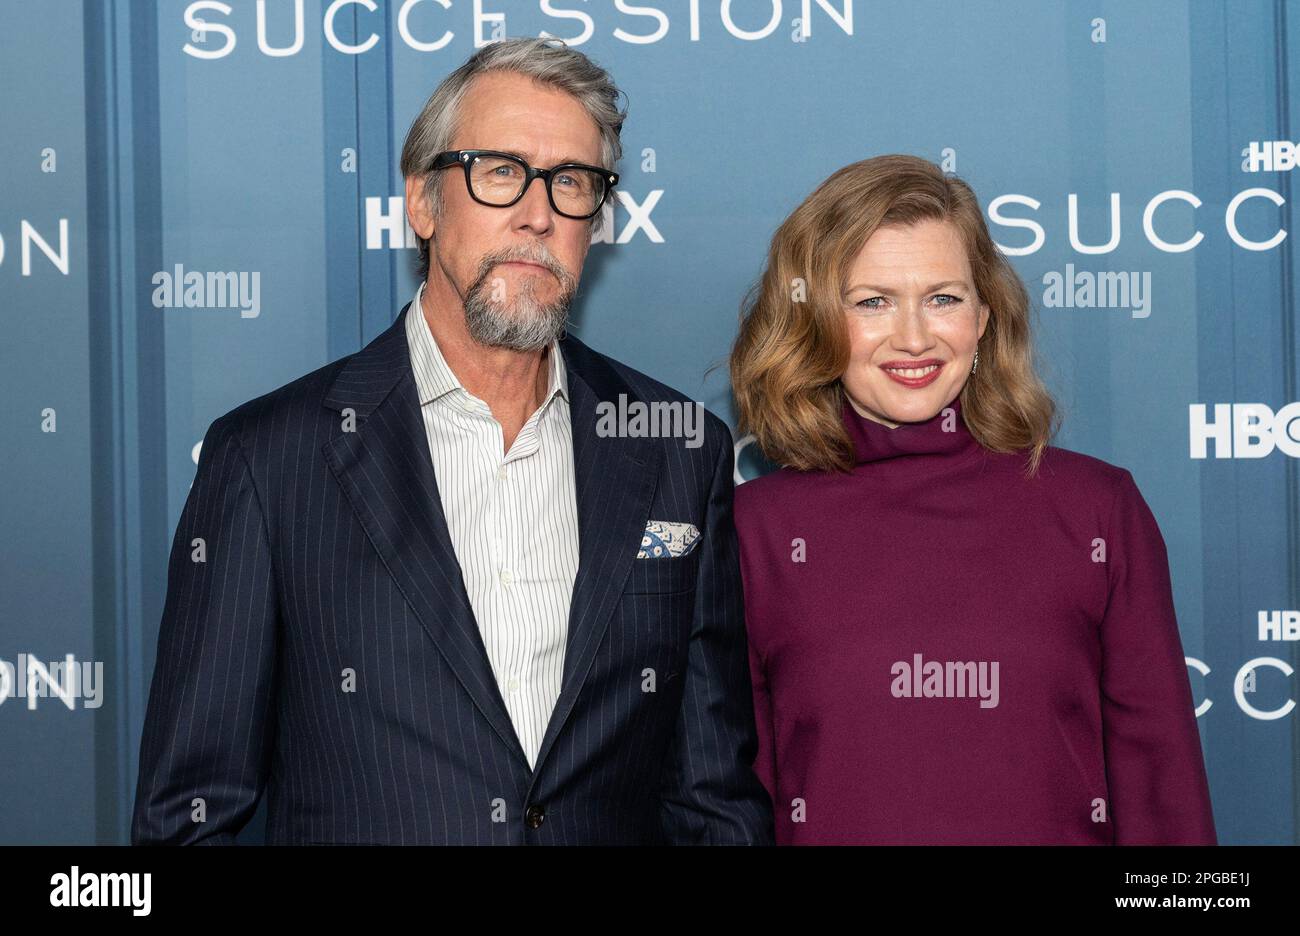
325 651
513 520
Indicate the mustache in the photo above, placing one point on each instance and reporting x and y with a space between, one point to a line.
539 255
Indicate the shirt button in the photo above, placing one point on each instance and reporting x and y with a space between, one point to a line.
513 684
534 817
502 472
506 577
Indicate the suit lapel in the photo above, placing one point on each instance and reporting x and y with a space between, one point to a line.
615 481
386 471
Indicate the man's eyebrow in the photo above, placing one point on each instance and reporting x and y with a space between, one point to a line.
890 292
559 162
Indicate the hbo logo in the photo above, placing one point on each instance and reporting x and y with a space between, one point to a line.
1244 430
1269 156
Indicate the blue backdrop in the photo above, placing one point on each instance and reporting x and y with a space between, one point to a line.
1147 138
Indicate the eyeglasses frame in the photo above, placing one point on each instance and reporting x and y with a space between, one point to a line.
465 158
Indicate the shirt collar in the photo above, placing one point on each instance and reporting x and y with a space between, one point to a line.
435 378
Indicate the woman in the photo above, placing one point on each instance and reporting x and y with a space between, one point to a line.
958 633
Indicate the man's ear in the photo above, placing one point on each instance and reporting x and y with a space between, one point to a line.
419 213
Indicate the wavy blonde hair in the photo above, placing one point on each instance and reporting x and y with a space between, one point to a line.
791 352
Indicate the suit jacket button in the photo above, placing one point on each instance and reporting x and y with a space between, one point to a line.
534 816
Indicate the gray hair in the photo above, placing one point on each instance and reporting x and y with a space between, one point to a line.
548 61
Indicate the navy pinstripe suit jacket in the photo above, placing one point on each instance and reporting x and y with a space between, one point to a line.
325 652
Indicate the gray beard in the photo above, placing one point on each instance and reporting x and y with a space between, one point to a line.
523 324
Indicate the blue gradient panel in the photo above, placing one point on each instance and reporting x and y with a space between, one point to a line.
163 143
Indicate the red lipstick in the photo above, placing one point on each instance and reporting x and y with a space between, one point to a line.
920 378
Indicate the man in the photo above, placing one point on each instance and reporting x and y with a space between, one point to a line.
423 595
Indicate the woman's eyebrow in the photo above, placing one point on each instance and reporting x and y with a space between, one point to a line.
890 292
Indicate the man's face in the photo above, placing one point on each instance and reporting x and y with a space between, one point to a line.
514 270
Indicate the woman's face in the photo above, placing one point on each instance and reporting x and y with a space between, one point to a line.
913 320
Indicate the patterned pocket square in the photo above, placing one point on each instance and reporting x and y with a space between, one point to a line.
664 539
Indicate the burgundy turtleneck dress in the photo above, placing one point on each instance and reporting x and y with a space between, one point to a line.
944 651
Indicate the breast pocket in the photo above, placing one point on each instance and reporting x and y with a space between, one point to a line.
663 576
656 610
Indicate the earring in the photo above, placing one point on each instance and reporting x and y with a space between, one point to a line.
977 361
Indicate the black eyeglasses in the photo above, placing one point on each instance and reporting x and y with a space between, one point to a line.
500 179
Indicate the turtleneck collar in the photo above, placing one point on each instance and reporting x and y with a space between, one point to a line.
875 442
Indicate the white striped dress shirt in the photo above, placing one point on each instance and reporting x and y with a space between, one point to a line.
513 519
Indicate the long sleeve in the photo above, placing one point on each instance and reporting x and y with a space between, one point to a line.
765 761
209 724
710 794
1154 767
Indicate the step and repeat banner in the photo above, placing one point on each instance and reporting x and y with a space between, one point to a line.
1136 161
